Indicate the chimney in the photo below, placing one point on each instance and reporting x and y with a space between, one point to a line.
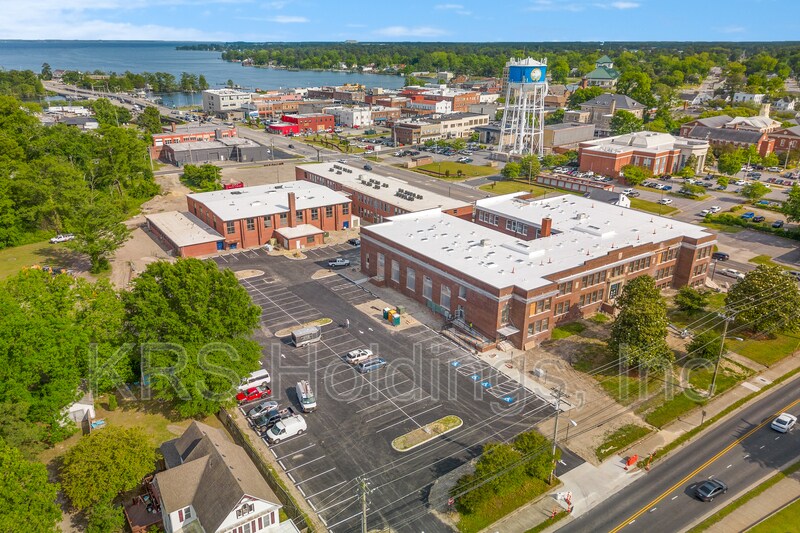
764 112
547 226
217 134
173 126
292 210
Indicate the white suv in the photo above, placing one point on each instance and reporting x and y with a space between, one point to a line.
62 237
358 355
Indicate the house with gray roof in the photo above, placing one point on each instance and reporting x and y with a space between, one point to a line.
211 485
604 74
600 110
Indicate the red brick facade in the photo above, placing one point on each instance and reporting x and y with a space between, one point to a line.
312 122
178 137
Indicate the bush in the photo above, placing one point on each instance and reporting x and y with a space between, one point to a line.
112 402
733 220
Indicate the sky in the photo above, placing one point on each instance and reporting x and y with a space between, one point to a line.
404 20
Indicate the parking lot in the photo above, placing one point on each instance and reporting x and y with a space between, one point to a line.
349 436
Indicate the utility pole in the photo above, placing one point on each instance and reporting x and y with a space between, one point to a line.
363 490
727 319
559 395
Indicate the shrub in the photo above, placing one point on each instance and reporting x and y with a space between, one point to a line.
112 402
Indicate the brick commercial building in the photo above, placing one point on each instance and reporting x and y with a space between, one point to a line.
459 99
185 234
740 132
223 149
786 139
498 286
416 132
377 197
384 114
188 134
311 122
296 214
661 153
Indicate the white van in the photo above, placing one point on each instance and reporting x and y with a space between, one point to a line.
308 402
288 427
257 378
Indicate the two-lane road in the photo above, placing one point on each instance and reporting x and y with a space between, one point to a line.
739 451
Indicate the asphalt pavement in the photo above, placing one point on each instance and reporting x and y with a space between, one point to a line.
739 451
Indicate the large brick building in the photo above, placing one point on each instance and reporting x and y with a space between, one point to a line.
188 134
499 286
296 214
661 153
738 132
375 197
311 122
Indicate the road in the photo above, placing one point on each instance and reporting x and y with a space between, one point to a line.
739 451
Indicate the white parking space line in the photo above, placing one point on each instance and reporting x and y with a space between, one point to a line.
306 463
314 476
326 490
336 504
393 411
437 406
331 526
297 451
271 446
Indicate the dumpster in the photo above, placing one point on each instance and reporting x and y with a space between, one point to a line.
401 309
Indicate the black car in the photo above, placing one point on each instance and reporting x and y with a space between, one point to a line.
777 224
354 242
291 146
267 420
720 256
710 489
367 167
759 218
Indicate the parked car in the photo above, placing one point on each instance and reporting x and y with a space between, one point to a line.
62 237
704 212
720 256
259 377
367 167
339 262
262 408
666 188
253 393
774 169
270 418
286 428
748 216
710 489
783 423
627 191
358 355
740 182
369 365
759 218
733 273
634 194
715 209
354 242
665 201
777 224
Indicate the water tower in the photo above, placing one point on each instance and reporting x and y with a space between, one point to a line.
522 128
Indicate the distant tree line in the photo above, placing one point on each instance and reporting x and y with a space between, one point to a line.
23 84
158 82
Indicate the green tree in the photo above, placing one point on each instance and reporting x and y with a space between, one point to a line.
47 72
765 301
150 120
705 345
229 84
529 167
203 177
686 172
556 117
723 181
206 318
730 162
202 83
29 499
109 114
638 333
754 190
559 71
635 175
105 463
770 160
583 95
105 517
511 171
791 206
625 122
531 444
691 300
637 85
693 190
99 230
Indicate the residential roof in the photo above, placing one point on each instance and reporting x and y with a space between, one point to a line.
713 122
725 134
364 182
264 200
604 59
183 228
557 90
583 230
758 122
213 477
621 101
603 73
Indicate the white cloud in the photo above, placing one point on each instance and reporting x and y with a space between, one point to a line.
449 6
288 19
624 5
405 31
550 5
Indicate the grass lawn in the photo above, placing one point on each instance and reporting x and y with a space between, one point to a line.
767 351
427 432
627 389
786 521
439 170
722 227
690 197
652 207
619 439
600 318
332 143
549 522
567 330
12 260
501 504
700 379
509 186
670 410
766 260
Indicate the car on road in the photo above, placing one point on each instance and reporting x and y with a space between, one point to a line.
627 191
710 489
759 218
704 212
777 224
748 216
733 273
356 356
62 237
783 423
262 408
720 256
354 242
367 167
634 194
254 393
665 201
715 209
339 262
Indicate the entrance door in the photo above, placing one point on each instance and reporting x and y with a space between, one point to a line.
613 291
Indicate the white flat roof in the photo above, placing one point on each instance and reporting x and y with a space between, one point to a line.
302 230
262 200
358 180
183 228
583 230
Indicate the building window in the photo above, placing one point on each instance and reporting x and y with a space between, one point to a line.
613 291
284 218
700 269
314 213
345 209
267 222
704 252
444 297
617 271
251 224
505 313
462 292
245 510
411 279
299 215
639 264
542 305
489 218
590 298
516 227
564 288
328 211
539 326
427 288
562 308
593 279
310 239
395 271
230 227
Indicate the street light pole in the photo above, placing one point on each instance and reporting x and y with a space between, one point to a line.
572 423
559 395
719 357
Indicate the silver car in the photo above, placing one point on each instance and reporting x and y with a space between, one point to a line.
783 423
356 356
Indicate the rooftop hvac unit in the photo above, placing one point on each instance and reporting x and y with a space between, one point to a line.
330 169
338 171
419 197
376 186
385 185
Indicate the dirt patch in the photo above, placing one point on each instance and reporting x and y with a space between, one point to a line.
374 309
250 273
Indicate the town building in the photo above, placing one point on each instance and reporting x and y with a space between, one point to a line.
498 284
188 134
212 485
311 122
787 103
272 108
557 96
695 98
347 94
460 125
751 98
786 139
220 149
220 102
349 117
429 107
459 99
296 214
661 153
416 131
604 74
600 110
382 114
566 136
375 197
184 234
735 132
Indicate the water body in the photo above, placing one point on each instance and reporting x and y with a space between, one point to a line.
161 56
